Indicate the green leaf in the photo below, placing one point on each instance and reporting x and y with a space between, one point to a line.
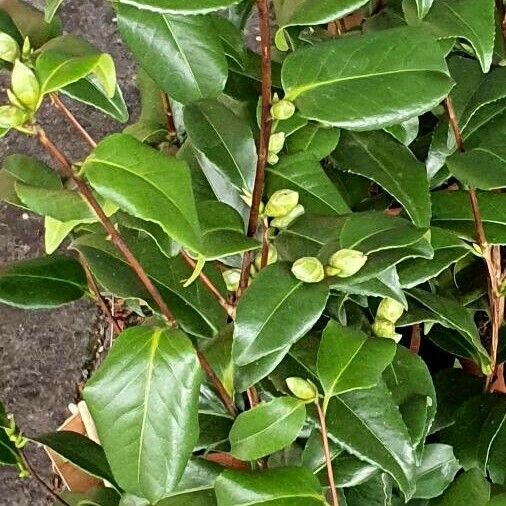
224 139
451 314
314 139
52 7
472 20
125 171
31 171
180 53
448 249
377 156
376 491
42 283
181 6
304 174
9 454
194 307
470 488
325 88
266 324
436 471
349 360
306 12
231 38
423 7
267 428
367 423
196 498
285 486
405 132
96 497
80 451
142 396
56 231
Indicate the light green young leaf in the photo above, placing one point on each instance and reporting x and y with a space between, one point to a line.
267 428
158 390
9 49
55 233
52 7
423 7
25 86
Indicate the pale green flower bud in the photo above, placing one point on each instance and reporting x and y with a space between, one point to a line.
232 277
272 158
308 269
331 271
281 203
25 85
389 310
386 329
348 261
285 221
12 116
302 389
282 109
272 257
26 51
9 49
276 142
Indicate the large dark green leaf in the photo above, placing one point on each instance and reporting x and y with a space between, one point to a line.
80 451
147 184
451 314
377 156
304 174
31 171
275 312
376 491
223 138
326 87
286 486
367 423
9 454
267 428
349 360
316 140
42 283
180 53
142 396
180 6
471 489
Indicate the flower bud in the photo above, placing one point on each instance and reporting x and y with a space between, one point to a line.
284 221
12 116
272 158
386 329
25 85
348 261
389 310
308 269
9 49
302 389
272 257
276 142
282 109
232 278
281 203
331 271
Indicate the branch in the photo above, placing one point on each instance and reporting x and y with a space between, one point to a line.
326 451
117 240
171 127
265 132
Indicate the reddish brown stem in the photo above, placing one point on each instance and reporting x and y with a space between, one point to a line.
326 452
415 339
55 100
265 132
117 240
265 245
171 126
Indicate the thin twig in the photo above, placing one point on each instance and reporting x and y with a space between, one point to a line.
117 240
43 484
414 346
265 133
491 256
55 100
171 126
326 452
265 245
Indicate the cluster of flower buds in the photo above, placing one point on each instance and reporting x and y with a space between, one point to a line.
281 110
389 311
283 207
345 263
302 389
232 278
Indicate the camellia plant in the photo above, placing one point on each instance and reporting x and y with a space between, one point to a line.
309 233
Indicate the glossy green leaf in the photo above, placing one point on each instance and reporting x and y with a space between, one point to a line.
286 486
304 174
144 392
31 171
146 184
52 7
80 451
377 156
349 360
325 88
191 498
9 455
224 139
453 315
180 6
423 7
267 428
376 491
180 53
231 38
305 12
42 283
266 323
95 497
55 233
367 423
194 307
314 139
470 488
405 132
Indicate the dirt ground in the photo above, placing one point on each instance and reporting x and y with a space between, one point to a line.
42 353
